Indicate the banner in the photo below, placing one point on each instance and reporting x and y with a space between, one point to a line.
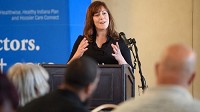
39 31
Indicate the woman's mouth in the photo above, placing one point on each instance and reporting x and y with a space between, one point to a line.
102 22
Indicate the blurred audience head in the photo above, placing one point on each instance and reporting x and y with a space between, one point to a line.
82 75
176 66
31 81
8 95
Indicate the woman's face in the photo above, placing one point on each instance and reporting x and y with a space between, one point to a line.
101 19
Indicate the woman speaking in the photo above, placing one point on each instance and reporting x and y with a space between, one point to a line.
100 40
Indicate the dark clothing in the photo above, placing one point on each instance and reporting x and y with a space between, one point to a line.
103 54
57 101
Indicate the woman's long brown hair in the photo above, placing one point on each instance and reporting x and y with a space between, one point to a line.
90 30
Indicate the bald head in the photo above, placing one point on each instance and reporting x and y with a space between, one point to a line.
176 66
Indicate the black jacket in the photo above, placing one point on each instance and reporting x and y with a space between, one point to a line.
57 101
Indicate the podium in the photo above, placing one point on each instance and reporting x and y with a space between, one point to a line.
116 83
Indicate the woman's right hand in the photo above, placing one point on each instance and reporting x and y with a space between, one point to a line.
81 48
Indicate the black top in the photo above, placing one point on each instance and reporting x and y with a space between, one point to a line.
57 101
103 54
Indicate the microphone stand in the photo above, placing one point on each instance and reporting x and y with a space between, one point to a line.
132 43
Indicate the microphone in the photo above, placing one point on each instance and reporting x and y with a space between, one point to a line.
123 36
128 42
132 42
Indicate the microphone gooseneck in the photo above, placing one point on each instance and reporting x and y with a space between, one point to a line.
130 43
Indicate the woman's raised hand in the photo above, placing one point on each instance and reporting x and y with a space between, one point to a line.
117 54
80 50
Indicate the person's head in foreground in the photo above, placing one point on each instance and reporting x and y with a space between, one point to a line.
31 81
175 72
80 81
82 77
176 66
8 95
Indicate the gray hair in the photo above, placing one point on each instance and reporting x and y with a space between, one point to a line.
31 81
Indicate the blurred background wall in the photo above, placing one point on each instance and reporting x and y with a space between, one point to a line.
156 24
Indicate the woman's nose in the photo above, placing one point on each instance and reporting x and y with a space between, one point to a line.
101 16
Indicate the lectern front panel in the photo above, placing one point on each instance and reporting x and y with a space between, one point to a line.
112 86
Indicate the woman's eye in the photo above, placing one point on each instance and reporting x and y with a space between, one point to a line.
96 14
104 13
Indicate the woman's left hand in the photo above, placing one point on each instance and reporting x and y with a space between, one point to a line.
117 54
